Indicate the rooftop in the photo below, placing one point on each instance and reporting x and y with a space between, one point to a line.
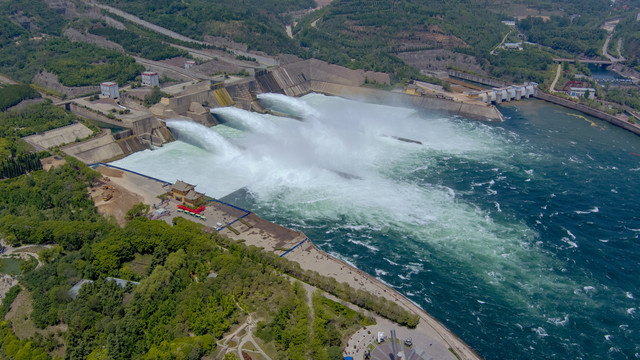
182 186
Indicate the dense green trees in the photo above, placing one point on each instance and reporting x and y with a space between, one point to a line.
13 348
179 309
364 34
21 164
260 24
576 36
146 47
13 94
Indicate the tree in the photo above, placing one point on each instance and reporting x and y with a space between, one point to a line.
137 210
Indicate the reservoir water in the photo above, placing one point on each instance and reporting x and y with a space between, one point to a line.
521 237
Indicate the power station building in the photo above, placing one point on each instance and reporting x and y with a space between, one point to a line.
150 78
109 89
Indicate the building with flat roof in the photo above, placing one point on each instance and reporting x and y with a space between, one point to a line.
188 64
109 89
589 93
150 78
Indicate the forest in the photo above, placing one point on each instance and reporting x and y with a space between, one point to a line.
259 24
146 47
13 94
35 118
36 45
195 287
576 36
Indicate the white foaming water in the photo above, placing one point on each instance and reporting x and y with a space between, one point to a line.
245 119
342 168
202 136
288 104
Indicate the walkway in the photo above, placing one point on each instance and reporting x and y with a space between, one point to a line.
235 343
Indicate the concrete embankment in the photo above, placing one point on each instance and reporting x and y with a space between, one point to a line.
467 110
588 110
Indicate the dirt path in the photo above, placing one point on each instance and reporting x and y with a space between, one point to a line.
6 80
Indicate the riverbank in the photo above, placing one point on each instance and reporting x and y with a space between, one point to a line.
634 128
272 237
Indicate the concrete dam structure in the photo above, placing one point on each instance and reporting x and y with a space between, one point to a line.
300 78
508 93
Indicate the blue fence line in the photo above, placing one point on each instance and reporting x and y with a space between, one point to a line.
133 172
234 221
290 250
233 206
170 183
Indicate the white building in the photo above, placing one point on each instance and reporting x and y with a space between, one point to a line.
150 78
509 23
188 64
109 89
581 92
513 46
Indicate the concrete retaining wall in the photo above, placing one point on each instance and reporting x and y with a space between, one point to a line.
63 135
95 150
50 81
470 111
477 79
86 113
587 110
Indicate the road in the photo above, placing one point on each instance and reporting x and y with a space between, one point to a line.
6 80
501 42
210 55
552 89
264 60
184 72
621 58
605 49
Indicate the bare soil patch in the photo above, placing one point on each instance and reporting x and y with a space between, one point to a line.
24 327
121 199
52 162
439 60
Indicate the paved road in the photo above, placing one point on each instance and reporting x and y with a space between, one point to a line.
501 42
621 58
184 72
552 89
264 60
605 49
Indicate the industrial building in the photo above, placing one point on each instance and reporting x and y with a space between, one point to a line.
589 93
150 78
109 89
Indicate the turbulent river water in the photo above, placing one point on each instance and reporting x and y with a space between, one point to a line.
521 237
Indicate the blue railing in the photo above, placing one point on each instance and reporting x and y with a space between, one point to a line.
293 248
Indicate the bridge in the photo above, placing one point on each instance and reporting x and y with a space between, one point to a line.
585 61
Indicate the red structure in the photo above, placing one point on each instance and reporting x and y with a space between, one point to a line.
195 211
571 84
